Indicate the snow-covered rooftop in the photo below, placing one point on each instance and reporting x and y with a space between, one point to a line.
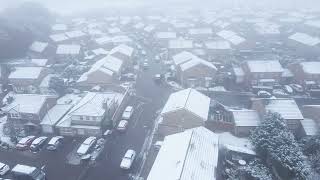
246 117
75 34
264 66
26 73
55 114
194 62
25 103
287 108
59 27
113 64
68 49
103 40
92 104
218 45
38 46
180 44
200 31
58 37
190 154
39 62
149 28
121 39
311 67
190 100
183 57
19 168
231 36
166 35
305 39
123 49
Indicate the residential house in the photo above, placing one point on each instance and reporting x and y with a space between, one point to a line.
245 120
262 73
200 33
90 115
38 48
178 45
219 50
66 51
124 53
232 37
193 71
286 107
104 72
25 111
164 37
184 109
192 153
306 73
27 79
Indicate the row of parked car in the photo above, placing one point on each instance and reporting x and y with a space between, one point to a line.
36 144
126 116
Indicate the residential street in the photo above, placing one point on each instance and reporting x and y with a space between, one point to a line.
149 98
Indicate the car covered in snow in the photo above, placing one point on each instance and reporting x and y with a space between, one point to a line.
25 142
86 145
128 159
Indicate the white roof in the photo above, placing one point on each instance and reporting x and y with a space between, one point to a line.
313 23
39 62
194 62
103 40
90 105
166 35
311 67
113 64
121 39
267 28
75 34
183 57
58 37
25 103
59 27
180 44
100 51
219 45
305 39
264 66
123 49
231 37
114 30
139 25
38 46
190 100
19 168
200 31
55 114
68 49
246 117
233 143
310 127
287 108
192 154
26 73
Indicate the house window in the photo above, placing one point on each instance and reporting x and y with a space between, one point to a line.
81 118
87 118
94 118
15 115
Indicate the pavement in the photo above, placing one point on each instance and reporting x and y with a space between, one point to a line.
64 164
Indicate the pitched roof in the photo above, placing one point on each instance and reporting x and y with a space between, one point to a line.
68 49
310 127
305 39
231 37
264 66
194 62
123 49
38 46
190 154
246 117
190 100
183 57
287 108
26 73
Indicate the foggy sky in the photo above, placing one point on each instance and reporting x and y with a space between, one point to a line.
73 6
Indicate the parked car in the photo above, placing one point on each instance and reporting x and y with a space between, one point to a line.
4 169
128 159
86 146
158 78
122 126
55 143
38 143
127 113
288 89
25 142
297 88
107 133
28 172
264 94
